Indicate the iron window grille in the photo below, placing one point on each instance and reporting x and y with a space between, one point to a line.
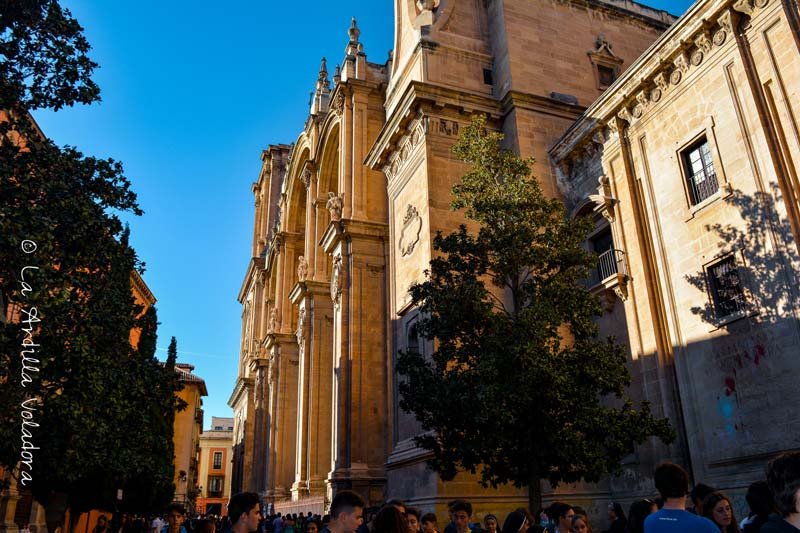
700 174
725 284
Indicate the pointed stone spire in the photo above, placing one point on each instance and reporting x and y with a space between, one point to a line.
321 95
337 74
353 32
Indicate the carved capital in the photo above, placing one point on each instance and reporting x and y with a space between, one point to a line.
661 81
703 41
744 6
625 115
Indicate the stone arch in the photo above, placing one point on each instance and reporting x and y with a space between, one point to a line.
328 160
296 194
328 168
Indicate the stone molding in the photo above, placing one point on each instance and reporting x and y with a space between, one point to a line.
685 46
406 145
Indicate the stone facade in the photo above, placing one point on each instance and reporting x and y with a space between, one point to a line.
345 219
705 293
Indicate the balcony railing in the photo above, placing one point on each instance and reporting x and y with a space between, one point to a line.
703 185
609 264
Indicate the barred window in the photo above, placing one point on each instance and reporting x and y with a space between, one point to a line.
700 175
726 287
217 460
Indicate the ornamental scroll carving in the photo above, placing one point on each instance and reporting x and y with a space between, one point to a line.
337 280
409 234
305 177
406 145
300 334
338 103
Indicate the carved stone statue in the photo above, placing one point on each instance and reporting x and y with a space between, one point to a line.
335 205
302 268
272 326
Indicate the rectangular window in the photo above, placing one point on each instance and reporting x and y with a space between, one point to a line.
700 175
726 287
606 75
217 460
215 484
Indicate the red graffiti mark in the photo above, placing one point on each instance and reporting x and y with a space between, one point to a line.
730 385
761 352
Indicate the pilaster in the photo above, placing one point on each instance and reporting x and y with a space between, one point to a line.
282 377
360 402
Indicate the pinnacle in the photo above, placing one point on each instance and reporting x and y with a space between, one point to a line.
353 32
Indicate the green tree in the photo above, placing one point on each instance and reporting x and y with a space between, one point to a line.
98 403
519 386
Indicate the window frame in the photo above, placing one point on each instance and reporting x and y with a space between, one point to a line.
707 131
214 460
713 301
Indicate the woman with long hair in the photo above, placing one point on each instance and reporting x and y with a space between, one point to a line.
718 508
516 522
312 526
490 524
580 524
389 520
640 509
616 517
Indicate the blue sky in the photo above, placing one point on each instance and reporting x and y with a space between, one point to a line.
191 94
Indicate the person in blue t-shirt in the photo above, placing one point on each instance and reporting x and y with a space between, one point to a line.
672 482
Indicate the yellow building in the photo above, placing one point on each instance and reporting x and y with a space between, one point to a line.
679 137
216 444
188 427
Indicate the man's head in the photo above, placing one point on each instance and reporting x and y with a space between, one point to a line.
175 515
347 509
244 510
783 478
562 514
429 523
671 480
699 493
462 512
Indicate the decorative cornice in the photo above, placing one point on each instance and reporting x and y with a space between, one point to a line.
418 99
705 27
243 385
141 286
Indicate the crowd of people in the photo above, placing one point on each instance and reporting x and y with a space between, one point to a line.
774 508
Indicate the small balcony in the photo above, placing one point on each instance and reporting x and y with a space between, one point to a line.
611 274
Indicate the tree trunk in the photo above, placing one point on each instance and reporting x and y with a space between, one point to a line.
534 493
55 507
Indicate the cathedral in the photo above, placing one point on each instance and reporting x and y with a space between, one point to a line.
678 136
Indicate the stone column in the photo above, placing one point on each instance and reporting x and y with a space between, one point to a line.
283 353
261 427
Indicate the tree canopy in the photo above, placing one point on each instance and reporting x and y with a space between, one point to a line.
519 387
99 408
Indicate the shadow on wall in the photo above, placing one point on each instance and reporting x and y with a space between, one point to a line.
742 377
755 272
